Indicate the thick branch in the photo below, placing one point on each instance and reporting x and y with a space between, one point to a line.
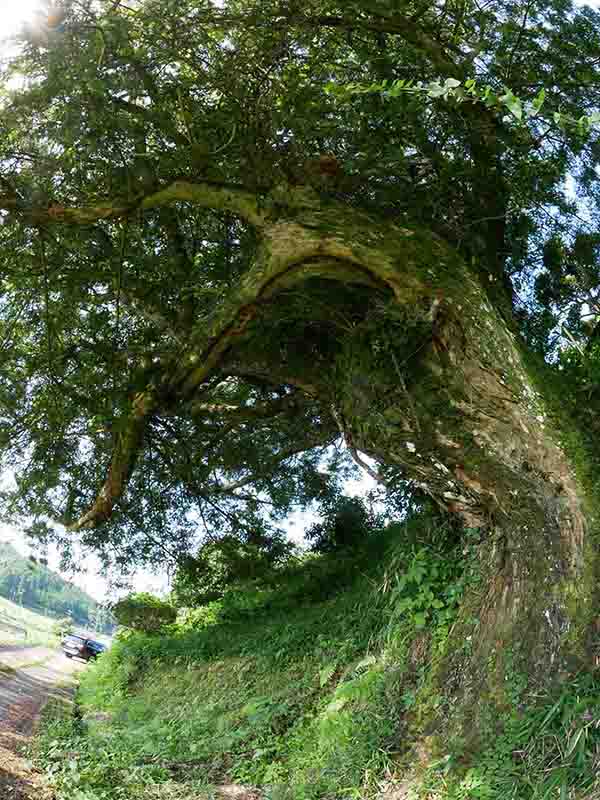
127 446
205 195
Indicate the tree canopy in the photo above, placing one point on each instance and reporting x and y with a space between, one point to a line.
183 311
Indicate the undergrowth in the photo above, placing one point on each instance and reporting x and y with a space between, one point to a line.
314 689
545 751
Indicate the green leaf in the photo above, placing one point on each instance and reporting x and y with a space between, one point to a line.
326 674
574 741
435 89
420 620
513 104
539 100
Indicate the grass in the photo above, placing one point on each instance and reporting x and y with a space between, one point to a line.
300 690
272 716
37 625
313 691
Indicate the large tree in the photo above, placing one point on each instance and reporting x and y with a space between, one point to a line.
217 261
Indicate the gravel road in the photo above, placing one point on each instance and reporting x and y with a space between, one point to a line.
39 673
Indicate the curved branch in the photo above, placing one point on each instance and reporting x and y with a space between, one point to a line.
218 197
335 243
126 448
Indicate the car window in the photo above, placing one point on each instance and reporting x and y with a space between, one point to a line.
75 639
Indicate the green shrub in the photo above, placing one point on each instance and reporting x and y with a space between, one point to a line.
62 627
252 557
347 524
144 612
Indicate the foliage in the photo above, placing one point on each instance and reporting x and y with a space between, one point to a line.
547 747
320 700
128 133
305 698
252 557
62 627
346 524
144 612
221 281
470 91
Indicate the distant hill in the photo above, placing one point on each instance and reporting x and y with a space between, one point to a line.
31 584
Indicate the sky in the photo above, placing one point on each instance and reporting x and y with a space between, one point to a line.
14 14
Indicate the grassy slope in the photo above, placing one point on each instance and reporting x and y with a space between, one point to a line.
314 691
38 626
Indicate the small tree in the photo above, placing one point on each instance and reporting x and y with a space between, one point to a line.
144 612
347 523
62 627
253 556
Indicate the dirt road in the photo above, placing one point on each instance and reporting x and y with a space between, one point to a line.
34 675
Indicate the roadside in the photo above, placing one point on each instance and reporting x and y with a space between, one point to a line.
17 656
36 675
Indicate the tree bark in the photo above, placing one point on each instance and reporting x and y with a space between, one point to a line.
463 418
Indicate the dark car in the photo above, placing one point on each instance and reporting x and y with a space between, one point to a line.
79 647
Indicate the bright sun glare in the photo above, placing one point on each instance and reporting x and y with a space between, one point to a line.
14 13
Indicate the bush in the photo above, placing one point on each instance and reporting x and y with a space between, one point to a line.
234 560
62 627
144 612
347 524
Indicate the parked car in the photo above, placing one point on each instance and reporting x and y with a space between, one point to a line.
79 647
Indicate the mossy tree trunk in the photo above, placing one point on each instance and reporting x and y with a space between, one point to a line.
435 380
461 414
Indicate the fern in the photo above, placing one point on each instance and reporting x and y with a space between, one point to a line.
326 674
